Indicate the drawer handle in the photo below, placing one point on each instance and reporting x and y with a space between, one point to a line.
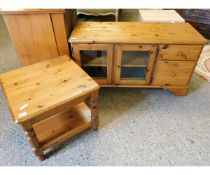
181 54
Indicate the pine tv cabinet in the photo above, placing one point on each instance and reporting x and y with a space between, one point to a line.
135 54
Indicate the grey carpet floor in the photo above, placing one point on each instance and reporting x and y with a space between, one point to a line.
137 127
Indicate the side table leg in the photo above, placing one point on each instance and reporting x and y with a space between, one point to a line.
31 136
94 110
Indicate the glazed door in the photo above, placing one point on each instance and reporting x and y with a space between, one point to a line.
134 64
96 60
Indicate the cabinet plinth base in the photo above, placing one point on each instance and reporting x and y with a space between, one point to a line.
177 91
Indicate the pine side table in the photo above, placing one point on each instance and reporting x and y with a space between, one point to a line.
52 101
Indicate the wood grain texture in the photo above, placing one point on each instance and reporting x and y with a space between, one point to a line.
68 121
38 88
32 138
96 47
135 33
63 24
94 110
40 34
179 52
173 72
32 36
178 90
31 11
177 47
76 53
119 49
60 32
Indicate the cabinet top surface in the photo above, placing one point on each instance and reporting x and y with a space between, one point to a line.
136 32
37 88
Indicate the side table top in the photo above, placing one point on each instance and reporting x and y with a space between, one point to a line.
37 88
136 33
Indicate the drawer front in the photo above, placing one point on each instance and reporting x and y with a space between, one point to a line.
179 52
173 72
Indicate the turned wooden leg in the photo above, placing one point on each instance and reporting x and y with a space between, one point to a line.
29 132
94 110
178 91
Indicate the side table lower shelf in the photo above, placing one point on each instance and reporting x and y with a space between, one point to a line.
59 127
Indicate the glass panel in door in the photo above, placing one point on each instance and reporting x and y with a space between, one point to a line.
134 64
94 62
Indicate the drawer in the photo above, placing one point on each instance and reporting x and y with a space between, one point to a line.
179 52
173 72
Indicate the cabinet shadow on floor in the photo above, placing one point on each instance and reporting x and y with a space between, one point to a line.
196 83
114 102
